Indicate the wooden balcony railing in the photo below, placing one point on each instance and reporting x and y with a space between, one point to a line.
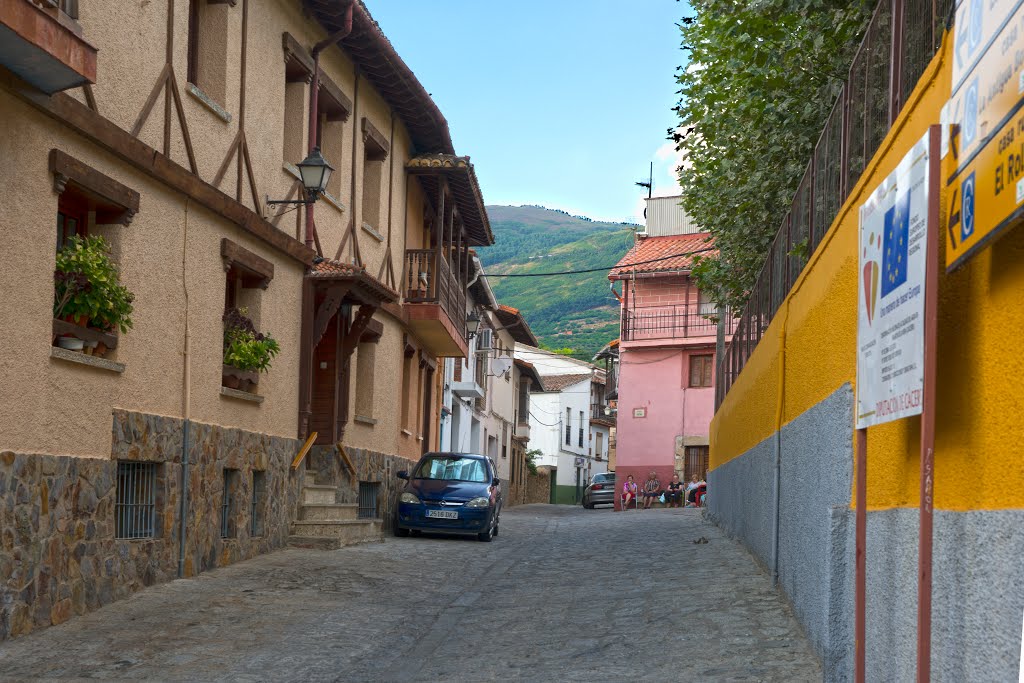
429 280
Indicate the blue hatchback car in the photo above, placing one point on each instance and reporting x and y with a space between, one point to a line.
451 493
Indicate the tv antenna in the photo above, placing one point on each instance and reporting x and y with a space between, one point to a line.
649 184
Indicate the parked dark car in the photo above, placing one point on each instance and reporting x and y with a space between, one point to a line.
601 491
451 493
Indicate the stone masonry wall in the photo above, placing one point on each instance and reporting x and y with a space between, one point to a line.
58 551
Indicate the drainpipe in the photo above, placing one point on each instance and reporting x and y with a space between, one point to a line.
780 396
314 91
186 411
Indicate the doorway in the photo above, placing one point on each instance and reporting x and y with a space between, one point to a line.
553 482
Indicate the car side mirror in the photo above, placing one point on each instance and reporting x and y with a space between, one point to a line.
402 474
495 482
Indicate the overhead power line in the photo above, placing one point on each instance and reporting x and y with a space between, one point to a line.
604 268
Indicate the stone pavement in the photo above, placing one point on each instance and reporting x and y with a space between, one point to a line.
563 594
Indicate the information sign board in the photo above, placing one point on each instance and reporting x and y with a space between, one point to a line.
984 165
891 293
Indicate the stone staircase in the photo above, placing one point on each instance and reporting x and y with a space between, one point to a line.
327 525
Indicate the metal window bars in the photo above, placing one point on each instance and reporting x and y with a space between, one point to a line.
259 497
368 494
227 506
135 506
900 41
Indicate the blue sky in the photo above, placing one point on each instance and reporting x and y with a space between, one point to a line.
562 103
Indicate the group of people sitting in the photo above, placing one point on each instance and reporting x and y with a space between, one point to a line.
673 495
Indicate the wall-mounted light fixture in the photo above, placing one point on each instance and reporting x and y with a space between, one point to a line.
314 172
472 325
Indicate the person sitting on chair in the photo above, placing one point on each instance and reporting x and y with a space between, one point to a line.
628 492
691 490
652 490
674 492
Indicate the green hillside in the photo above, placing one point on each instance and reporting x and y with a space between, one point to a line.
574 311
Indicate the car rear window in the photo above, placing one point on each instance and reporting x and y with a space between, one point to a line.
452 468
604 478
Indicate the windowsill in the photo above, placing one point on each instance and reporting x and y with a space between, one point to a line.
362 419
82 359
292 170
407 433
369 230
205 100
241 395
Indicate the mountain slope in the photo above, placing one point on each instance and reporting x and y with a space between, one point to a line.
574 311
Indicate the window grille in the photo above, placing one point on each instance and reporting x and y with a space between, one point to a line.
368 491
259 499
581 429
568 426
135 506
227 506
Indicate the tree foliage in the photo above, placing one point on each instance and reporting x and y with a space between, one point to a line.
762 79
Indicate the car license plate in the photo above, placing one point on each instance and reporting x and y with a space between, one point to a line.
443 514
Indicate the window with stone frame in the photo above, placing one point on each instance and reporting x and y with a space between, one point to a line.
207 54
230 491
257 511
138 500
375 151
88 204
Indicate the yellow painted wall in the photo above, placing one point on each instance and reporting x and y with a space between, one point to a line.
979 462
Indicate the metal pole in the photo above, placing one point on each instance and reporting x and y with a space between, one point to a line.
931 289
861 535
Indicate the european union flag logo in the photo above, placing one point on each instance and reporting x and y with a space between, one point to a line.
895 244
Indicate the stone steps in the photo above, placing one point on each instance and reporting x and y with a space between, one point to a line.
318 494
327 512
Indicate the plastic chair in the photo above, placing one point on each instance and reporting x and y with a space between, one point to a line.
636 500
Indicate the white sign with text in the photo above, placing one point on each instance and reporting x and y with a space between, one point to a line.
890 288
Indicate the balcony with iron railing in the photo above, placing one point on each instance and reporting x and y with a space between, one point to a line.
436 302
683 321
900 41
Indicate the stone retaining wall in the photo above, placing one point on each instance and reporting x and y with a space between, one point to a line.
58 551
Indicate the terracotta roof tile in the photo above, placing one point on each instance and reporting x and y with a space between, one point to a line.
651 248
560 382
329 269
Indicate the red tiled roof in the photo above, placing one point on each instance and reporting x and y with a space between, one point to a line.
559 382
370 287
513 321
679 247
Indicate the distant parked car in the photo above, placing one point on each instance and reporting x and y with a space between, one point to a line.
600 491
451 493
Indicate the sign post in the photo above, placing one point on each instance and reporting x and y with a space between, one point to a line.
897 284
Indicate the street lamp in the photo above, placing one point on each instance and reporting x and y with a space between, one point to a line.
472 325
314 171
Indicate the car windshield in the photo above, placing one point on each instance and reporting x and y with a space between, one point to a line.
604 478
452 468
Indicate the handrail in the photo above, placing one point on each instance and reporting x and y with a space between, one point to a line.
300 456
346 461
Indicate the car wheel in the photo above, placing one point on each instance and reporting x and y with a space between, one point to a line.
486 536
414 532
400 532
495 530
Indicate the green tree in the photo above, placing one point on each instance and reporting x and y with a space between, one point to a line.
762 79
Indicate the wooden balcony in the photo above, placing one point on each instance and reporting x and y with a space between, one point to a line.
41 43
436 303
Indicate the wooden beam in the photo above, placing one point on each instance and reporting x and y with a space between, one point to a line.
326 311
119 142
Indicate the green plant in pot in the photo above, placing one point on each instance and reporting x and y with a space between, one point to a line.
247 352
87 287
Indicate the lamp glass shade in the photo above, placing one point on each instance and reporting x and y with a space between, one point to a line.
315 172
473 323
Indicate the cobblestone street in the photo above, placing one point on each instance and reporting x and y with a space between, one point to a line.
562 594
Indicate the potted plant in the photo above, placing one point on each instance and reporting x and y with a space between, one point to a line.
247 352
87 288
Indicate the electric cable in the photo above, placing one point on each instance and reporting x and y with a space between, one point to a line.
603 268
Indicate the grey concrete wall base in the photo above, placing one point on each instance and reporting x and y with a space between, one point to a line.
816 529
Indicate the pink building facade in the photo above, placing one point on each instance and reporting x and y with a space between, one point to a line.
666 361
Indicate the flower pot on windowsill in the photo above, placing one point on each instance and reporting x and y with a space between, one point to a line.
243 380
